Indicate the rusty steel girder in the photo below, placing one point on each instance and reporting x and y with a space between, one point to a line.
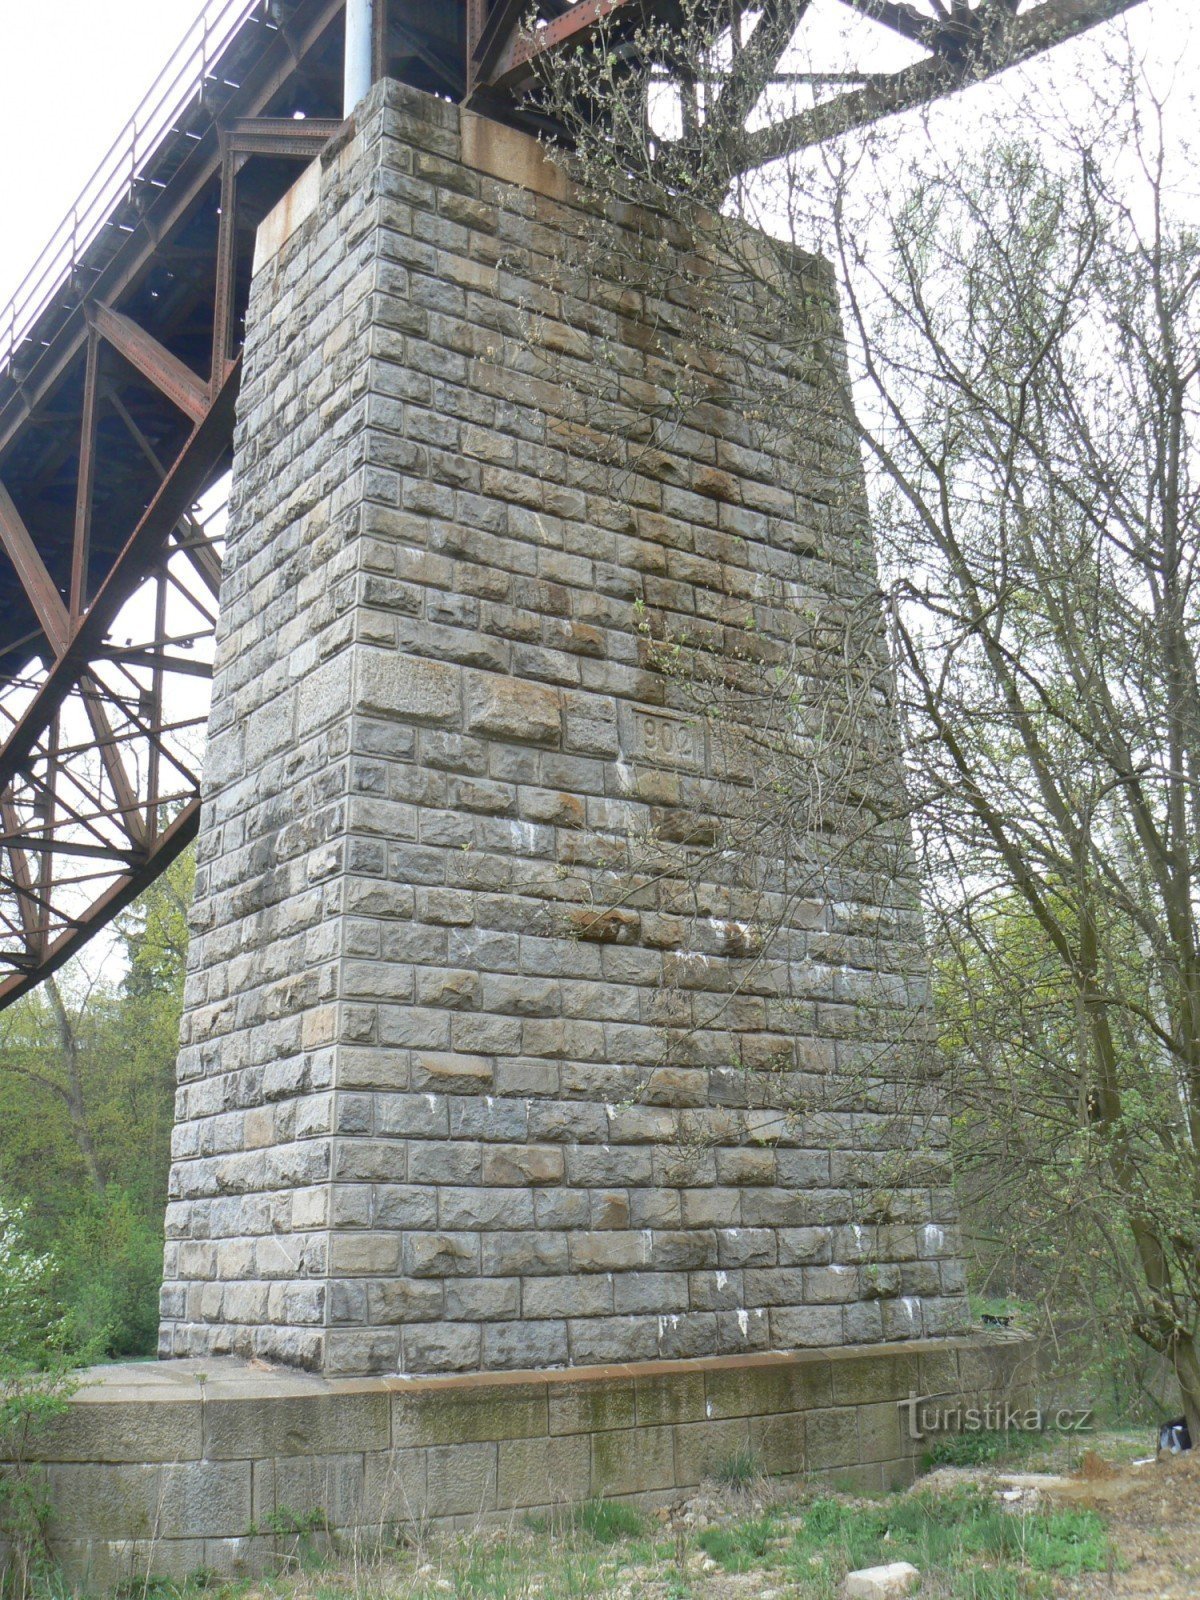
119 374
116 422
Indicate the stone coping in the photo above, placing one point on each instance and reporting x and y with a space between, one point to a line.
230 1378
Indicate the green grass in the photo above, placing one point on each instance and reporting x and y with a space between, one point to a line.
738 1471
1049 1451
987 1553
200 1581
604 1521
608 1520
965 1544
575 1560
985 1448
742 1545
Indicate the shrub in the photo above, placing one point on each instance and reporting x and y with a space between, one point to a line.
111 1269
35 1383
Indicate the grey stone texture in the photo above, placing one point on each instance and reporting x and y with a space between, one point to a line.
164 1469
463 1084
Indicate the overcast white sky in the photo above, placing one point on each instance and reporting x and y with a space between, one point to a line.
71 73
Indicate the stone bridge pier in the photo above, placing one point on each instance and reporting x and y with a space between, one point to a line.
522 1154
464 1085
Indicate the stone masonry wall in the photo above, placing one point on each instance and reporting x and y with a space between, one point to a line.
158 1470
465 1084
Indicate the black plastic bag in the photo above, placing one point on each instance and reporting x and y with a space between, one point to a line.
1173 1437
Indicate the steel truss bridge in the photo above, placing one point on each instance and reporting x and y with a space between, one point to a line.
119 370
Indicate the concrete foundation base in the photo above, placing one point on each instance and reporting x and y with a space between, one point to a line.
162 1469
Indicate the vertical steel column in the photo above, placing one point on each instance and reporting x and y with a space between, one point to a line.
226 269
154 764
477 15
49 809
81 549
22 880
360 51
381 41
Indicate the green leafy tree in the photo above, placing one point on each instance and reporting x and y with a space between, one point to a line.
87 1071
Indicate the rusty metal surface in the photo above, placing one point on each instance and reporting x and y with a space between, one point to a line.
154 361
510 59
116 419
119 372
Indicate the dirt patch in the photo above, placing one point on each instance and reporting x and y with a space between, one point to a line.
1095 1469
1153 1513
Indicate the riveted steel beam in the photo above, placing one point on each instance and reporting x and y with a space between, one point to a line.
37 583
512 57
154 361
299 138
171 843
1008 44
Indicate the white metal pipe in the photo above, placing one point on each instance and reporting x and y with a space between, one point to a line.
360 30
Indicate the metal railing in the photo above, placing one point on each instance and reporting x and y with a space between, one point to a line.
181 81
